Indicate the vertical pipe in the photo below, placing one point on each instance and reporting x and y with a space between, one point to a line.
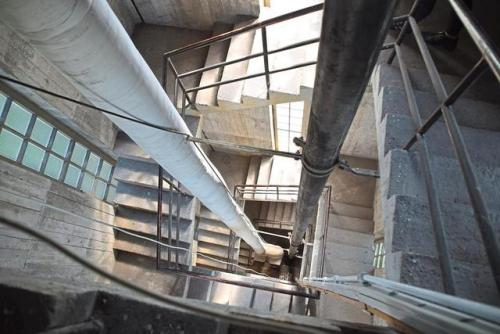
352 35
159 208
266 61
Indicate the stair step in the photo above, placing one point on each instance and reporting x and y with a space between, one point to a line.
208 236
271 213
217 53
212 249
389 75
253 174
213 226
129 244
145 199
338 236
149 229
266 164
206 213
127 147
209 263
264 208
351 223
240 46
349 210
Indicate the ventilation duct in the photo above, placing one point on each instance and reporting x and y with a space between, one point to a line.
86 41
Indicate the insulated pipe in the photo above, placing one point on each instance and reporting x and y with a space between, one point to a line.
86 41
352 34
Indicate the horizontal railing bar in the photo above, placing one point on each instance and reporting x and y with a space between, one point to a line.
245 148
301 292
478 69
485 46
255 55
274 234
244 29
251 76
268 185
484 223
479 310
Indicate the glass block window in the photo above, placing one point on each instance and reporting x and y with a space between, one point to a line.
31 141
288 124
379 254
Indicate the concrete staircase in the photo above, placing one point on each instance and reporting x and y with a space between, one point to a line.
276 215
287 86
214 239
409 236
136 205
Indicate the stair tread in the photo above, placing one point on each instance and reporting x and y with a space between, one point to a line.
390 75
145 199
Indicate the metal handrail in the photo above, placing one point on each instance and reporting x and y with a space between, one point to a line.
250 27
241 190
408 306
187 100
489 56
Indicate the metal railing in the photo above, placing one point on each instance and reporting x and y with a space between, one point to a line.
188 101
408 308
489 60
267 192
316 237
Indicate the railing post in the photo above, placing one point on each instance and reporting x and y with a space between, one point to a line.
159 216
176 92
266 61
177 224
183 110
164 73
170 220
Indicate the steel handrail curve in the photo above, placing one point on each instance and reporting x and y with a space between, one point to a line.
250 27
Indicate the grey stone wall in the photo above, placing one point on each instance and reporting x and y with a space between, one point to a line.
23 198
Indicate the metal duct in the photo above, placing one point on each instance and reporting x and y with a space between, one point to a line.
86 41
352 34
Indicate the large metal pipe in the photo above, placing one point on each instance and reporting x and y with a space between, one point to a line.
352 34
85 41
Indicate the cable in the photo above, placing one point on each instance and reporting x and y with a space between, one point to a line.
133 234
202 311
134 119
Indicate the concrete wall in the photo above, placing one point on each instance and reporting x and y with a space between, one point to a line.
154 40
125 13
194 14
22 61
22 197
233 168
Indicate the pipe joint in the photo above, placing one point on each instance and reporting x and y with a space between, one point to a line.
317 172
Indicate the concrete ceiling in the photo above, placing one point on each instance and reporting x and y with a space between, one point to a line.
193 14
